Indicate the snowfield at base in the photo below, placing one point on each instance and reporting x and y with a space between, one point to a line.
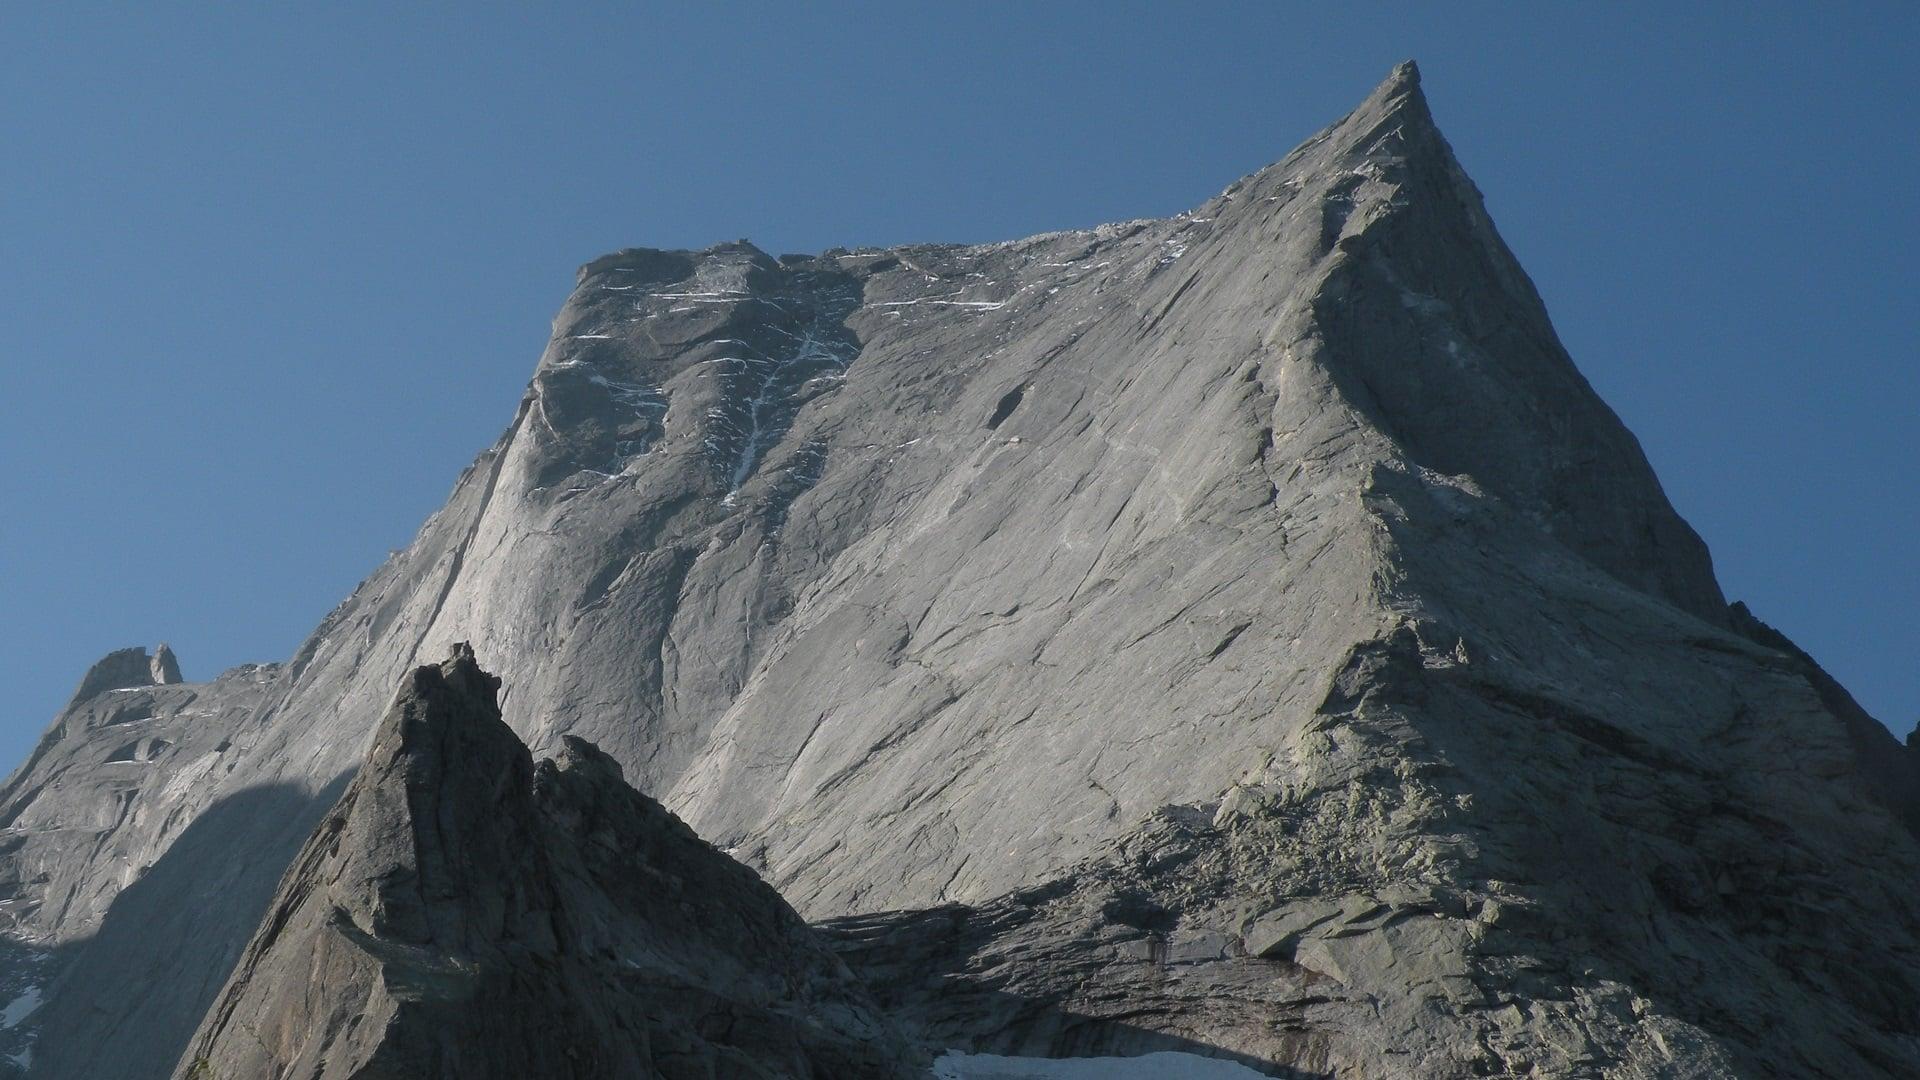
21 1008
1165 1065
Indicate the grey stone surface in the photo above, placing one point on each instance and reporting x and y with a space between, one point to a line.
1108 606
165 667
465 912
120 669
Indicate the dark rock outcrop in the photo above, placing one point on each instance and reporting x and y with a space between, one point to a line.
463 911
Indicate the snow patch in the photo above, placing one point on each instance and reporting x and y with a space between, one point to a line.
755 436
763 386
21 1008
727 296
981 305
631 395
1422 303
1165 1065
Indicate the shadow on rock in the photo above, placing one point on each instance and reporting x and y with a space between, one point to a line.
179 929
918 966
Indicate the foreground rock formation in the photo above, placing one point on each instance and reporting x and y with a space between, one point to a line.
1242 634
465 912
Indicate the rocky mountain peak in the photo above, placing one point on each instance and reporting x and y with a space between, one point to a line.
1397 102
1243 633
444 768
1429 326
121 669
128 669
165 667
461 912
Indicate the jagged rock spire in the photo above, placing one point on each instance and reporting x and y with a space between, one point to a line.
462 912
1430 327
165 667
121 669
127 669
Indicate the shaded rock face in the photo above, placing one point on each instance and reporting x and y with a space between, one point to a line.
107 791
1243 633
465 912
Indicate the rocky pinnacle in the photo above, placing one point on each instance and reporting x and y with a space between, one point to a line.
464 911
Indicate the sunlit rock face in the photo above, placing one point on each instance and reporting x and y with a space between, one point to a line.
1242 634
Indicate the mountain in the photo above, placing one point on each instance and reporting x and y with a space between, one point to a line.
465 912
1243 634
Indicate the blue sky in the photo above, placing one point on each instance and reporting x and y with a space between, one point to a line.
268 280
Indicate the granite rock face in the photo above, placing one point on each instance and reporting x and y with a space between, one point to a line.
165 667
463 911
1243 633
106 817
121 669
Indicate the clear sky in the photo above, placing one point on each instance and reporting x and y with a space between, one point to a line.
268 281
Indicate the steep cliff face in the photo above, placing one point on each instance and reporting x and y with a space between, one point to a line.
1244 633
85 816
465 912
